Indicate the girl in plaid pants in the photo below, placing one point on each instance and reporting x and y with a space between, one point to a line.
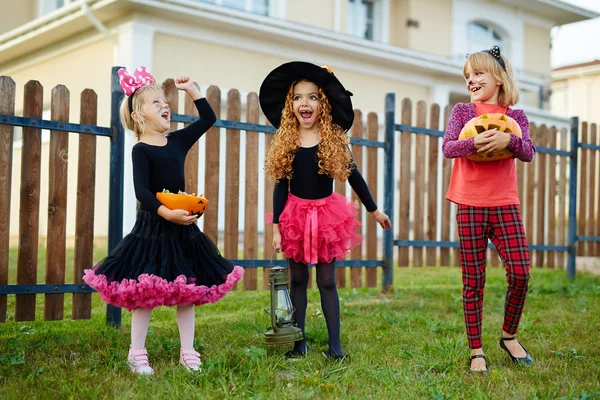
487 198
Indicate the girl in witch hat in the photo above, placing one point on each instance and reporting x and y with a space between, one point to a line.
311 224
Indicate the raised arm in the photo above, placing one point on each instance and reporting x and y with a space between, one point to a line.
191 133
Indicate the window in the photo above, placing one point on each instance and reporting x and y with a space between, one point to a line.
363 18
482 36
254 6
47 6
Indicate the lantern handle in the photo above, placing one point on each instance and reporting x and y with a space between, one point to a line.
273 257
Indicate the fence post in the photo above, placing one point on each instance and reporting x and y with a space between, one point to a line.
115 202
388 191
572 227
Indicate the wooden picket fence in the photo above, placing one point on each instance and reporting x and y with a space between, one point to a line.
253 172
29 207
421 213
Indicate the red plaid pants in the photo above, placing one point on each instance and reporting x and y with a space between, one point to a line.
504 227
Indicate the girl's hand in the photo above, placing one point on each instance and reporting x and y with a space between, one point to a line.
481 140
181 217
276 238
185 83
382 219
494 142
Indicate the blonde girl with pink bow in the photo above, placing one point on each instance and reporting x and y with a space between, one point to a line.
166 260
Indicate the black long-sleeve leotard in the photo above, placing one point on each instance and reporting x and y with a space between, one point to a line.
307 183
162 167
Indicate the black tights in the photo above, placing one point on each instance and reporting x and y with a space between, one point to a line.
330 302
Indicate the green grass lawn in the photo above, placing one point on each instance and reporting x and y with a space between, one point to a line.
409 344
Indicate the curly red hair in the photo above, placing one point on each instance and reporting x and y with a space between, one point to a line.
334 155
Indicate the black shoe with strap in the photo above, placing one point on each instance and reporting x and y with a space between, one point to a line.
332 355
527 360
295 354
474 356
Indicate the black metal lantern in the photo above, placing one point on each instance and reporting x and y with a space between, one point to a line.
282 312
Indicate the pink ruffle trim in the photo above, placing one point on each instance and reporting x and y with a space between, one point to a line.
151 291
318 230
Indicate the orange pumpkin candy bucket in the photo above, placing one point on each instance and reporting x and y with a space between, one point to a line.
486 122
193 204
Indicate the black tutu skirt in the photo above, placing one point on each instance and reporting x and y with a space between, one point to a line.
163 264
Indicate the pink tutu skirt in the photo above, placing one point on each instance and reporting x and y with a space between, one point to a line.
318 231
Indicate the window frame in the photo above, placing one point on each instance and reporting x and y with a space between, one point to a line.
248 6
379 20
46 7
491 31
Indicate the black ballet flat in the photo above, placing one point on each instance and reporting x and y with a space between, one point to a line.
483 372
335 356
527 360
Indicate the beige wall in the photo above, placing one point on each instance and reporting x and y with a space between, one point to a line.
369 91
96 60
317 13
537 49
399 13
14 13
434 34
577 95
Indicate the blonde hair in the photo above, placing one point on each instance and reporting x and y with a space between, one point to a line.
333 154
139 99
484 61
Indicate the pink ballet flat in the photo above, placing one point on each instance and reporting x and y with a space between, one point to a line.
138 362
190 359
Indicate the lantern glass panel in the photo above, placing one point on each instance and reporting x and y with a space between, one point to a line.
283 309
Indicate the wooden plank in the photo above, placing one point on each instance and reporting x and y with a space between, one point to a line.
357 152
84 215
597 202
371 224
541 197
30 202
251 195
530 215
191 159
405 178
232 176
552 198
57 203
172 96
268 208
562 199
212 165
432 192
583 191
7 107
420 166
446 215
592 227
340 273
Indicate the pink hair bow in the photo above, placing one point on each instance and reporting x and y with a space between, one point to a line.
129 84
